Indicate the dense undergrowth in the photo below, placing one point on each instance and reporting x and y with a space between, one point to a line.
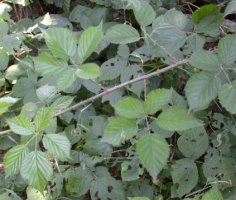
117 99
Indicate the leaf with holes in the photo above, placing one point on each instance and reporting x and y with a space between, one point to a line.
156 100
13 159
36 169
201 89
177 118
193 142
153 152
119 130
122 34
184 173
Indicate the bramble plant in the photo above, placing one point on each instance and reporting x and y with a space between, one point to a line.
124 99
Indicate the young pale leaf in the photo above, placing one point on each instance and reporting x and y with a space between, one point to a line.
58 145
88 71
21 125
119 130
227 96
214 193
205 60
5 103
143 13
156 99
185 174
230 8
62 103
47 65
201 89
122 34
89 41
4 59
227 49
177 119
61 42
13 159
36 169
153 152
193 142
43 118
130 108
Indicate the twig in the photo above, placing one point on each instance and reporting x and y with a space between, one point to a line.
109 90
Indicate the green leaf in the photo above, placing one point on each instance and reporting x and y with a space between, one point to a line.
130 108
33 194
230 8
207 19
143 13
47 65
21 125
11 42
227 49
167 37
176 18
62 103
13 159
66 79
46 93
61 42
201 89
89 41
5 103
4 29
193 143
156 100
177 119
119 130
153 152
138 198
4 59
213 193
103 183
227 95
203 12
58 145
88 71
43 118
36 169
122 34
205 60
184 173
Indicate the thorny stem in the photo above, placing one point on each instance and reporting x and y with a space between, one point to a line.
109 90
